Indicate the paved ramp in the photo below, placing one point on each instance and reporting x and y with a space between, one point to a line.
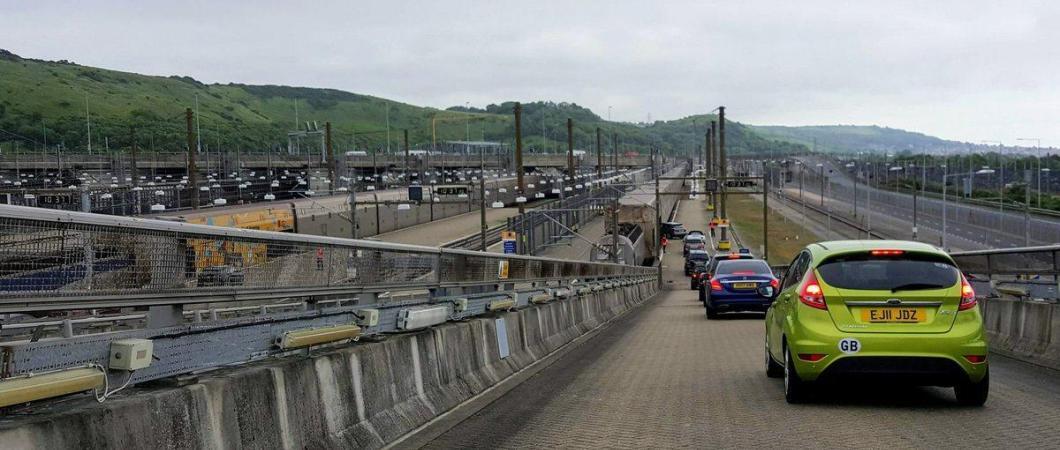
665 377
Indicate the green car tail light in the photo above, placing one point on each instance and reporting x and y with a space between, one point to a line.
810 293
967 295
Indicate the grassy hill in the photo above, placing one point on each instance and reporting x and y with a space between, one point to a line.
48 99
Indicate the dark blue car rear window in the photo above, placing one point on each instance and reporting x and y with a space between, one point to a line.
694 255
743 265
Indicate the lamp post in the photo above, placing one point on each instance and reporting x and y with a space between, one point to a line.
1038 156
897 183
482 195
820 166
801 200
944 176
1001 180
854 166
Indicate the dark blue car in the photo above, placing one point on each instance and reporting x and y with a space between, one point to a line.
734 286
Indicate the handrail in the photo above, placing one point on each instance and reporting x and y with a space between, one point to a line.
1008 250
53 259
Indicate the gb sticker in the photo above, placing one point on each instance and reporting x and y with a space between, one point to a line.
849 345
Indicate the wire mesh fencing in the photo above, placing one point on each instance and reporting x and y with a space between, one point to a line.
51 259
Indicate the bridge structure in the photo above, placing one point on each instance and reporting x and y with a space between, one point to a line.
285 340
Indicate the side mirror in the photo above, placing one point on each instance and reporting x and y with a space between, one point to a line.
767 291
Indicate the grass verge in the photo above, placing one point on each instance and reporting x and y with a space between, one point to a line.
786 237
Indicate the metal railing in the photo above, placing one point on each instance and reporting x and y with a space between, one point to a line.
134 200
53 259
1020 261
218 296
1022 272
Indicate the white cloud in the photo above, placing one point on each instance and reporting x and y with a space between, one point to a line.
969 70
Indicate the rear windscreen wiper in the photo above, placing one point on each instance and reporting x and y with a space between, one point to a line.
916 286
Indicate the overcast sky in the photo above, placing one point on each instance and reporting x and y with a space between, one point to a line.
964 70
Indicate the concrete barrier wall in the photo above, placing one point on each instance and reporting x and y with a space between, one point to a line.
360 396
1023 329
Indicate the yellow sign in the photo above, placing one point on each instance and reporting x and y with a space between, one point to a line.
507 235
900 315
502 269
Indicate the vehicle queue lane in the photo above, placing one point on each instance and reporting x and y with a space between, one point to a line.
664 376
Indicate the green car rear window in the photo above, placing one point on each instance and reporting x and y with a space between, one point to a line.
910 271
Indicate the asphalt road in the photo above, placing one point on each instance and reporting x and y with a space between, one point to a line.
973 226
664 377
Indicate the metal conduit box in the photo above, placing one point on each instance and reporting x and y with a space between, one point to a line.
417 318
370 317
130 354
460 304
313 336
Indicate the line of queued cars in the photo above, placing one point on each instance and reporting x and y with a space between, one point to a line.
893 312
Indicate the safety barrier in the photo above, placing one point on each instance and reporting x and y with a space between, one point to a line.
250 293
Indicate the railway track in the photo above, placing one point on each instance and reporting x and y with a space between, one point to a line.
474 241
846 221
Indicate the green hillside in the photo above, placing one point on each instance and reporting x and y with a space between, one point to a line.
47 100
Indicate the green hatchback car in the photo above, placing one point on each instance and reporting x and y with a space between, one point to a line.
881 311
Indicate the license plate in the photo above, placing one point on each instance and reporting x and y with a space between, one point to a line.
893 315
744 285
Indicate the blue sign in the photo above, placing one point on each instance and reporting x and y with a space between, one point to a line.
745 250
416 193
509 246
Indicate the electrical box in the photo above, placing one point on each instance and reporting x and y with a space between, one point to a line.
130 354
370 317
460 305
416 318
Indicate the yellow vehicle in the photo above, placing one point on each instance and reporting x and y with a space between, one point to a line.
209 252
